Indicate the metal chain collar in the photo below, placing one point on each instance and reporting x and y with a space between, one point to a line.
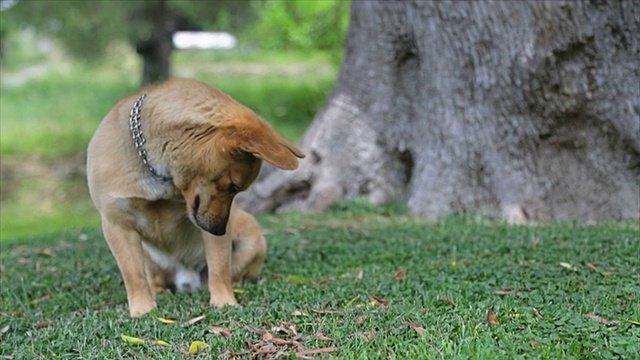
138 138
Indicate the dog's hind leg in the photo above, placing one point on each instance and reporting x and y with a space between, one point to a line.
248 257
159 279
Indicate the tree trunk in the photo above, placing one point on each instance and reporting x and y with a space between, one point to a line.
511 109
157 44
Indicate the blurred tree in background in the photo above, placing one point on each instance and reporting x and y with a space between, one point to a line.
85 29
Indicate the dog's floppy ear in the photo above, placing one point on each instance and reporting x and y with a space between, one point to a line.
258 138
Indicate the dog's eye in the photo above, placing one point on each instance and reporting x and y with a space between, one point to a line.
233 188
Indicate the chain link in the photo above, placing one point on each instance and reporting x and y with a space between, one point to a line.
138 138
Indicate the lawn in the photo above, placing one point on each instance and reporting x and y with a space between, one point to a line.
355 282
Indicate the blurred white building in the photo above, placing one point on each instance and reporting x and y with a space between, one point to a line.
203 40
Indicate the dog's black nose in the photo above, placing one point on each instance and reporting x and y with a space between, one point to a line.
215 229
218 230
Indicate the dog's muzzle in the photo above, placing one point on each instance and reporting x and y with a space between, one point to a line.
216 225
215 229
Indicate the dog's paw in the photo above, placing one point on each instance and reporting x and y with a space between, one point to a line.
221 301
139 309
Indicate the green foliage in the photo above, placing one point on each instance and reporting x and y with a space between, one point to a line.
87 28
333 280
302 25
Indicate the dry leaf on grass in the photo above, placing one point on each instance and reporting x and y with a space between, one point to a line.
320 336
492 318
300 313
220 330
327 350
374 300
138 341
601 320
447 300
286 329
327 312
504 292
370 335
132 340
167 321
535 243
415 326
198 347
43 324
195 320
12 313
271 348
360 274
592 267
536 313
568 266
535 344
41 300
254 330
400 275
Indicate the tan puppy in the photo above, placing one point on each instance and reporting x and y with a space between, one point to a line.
163 168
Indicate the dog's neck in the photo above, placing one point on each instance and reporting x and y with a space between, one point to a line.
135 125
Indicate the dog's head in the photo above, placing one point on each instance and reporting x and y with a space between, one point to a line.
225 160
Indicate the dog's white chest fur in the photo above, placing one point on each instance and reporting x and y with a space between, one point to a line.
185 278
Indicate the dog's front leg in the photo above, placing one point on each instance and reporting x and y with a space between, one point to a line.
218 251
126 247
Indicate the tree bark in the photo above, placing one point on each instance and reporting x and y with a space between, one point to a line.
523 110
156 45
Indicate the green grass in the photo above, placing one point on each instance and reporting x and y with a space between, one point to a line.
246 53
45 204
62 295
56 115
